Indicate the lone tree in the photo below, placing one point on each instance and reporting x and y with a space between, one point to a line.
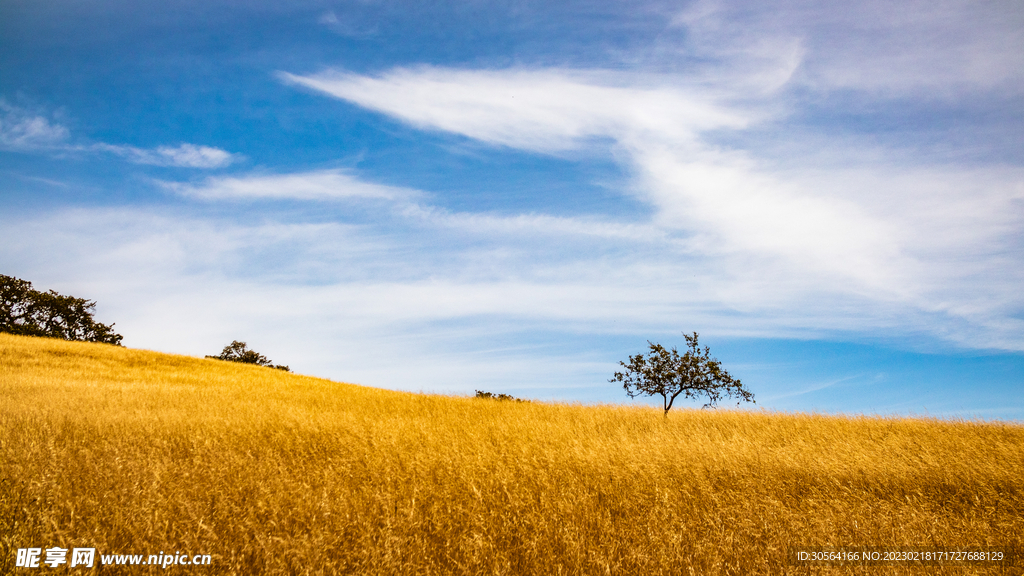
28 312
669 374
239 352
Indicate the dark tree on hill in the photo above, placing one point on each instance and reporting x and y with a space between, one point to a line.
28 312
668 374
239 352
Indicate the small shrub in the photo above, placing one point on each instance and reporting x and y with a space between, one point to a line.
492 396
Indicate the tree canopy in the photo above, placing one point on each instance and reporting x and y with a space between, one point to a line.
240 352
29 312
668 374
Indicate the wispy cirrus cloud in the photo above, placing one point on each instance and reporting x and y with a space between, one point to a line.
413 206
314 185
922 49
952 285
182 156
443 280
24 131
890 232
543 110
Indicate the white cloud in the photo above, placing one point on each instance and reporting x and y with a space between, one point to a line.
21 130
317 185
184 156
924 49
339 185
192 156
534 224
183 284
740 209
934 240
549 110
463 300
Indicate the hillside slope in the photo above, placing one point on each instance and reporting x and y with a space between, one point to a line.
136 452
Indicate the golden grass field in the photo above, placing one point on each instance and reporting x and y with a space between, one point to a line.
130 451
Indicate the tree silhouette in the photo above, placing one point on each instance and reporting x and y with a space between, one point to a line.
239 352
668 374
29 312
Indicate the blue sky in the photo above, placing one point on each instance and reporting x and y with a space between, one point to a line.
515 196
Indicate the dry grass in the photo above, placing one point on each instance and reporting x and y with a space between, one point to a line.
138 452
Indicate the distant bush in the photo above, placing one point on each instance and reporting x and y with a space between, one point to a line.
28 312
491 396
239 352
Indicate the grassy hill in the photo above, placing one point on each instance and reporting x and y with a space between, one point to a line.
136 452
